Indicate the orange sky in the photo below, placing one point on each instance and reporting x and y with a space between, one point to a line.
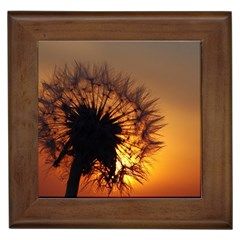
171 71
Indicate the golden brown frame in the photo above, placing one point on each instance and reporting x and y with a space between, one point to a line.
213 210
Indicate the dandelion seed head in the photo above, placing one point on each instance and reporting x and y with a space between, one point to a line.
92 112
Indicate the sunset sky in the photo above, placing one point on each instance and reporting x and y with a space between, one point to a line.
171 72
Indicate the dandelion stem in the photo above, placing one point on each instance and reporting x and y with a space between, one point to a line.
74 178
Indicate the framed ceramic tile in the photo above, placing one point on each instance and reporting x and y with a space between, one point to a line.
120 120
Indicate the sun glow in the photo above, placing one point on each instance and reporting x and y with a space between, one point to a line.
125 161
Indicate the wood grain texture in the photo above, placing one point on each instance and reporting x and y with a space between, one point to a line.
213 210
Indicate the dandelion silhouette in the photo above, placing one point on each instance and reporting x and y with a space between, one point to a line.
95 123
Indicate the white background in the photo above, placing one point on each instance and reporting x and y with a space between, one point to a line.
122 5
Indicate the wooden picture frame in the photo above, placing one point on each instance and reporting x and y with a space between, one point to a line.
213 210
